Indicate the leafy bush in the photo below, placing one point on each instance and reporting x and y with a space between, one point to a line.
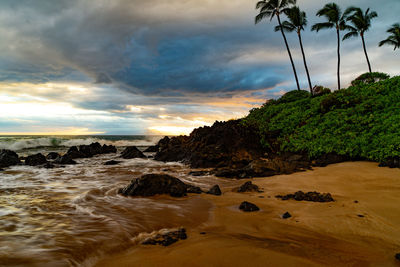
370 77
361 122
319 90
293 96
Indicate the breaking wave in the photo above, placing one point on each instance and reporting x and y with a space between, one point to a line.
30 142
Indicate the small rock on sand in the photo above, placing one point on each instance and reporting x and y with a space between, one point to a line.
167 239
248 207
215 190
287 215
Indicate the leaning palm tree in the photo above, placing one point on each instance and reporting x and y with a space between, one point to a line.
394 37
270 8
361 22
297 21
335 19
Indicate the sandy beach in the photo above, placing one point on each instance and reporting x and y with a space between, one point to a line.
359 229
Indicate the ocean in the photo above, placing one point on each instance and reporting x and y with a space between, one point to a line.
73 215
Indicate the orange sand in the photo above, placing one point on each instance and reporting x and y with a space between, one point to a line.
318 234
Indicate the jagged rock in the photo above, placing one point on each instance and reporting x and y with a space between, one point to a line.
66 160
224 144
310 196
52 155
330 158
112 162
215 190
193 189
152 149
132 152
154 184
8 158
287 215
35 160
393 162
248 187
107 149
166 239
90 150
248 207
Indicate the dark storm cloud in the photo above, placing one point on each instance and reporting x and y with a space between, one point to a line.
166 48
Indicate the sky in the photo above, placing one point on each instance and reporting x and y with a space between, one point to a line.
127 67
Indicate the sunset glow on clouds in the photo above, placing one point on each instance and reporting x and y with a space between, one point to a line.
157 67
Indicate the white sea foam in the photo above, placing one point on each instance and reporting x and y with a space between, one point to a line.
17 144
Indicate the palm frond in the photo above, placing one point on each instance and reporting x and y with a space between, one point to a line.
349 35
263 16
322 26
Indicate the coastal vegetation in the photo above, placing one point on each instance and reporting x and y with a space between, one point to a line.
360 122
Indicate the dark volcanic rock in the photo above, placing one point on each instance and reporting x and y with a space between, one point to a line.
310 196
66 160
154 184
393 162
166 239
8 158
221 145
88 151
330 158
248 207
35 160
193 189
248 187
132 152
52 155
397 256
105 149
152 149
287 215
112 162
215 190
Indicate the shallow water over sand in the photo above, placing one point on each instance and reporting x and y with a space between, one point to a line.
72 216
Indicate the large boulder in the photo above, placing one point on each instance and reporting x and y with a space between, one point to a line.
132 152
152 149
88 151
8 158
225 144
107 149
35 160
155 184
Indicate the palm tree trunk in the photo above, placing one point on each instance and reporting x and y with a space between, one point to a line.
305 62
338 55
365 52
290 54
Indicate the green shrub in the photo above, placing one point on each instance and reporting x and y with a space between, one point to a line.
362 122
370 77
319 90
293 96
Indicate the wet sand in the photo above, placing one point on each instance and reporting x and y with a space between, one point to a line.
341 233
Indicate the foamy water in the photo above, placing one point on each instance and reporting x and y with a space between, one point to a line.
73 216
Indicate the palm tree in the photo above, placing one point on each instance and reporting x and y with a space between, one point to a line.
361 23
297 21
335 19
270 8
394 37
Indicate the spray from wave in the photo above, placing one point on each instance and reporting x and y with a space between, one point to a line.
19 143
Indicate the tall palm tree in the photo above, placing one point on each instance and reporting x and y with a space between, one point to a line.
335 19
394 37
297 21
271 8
361 22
